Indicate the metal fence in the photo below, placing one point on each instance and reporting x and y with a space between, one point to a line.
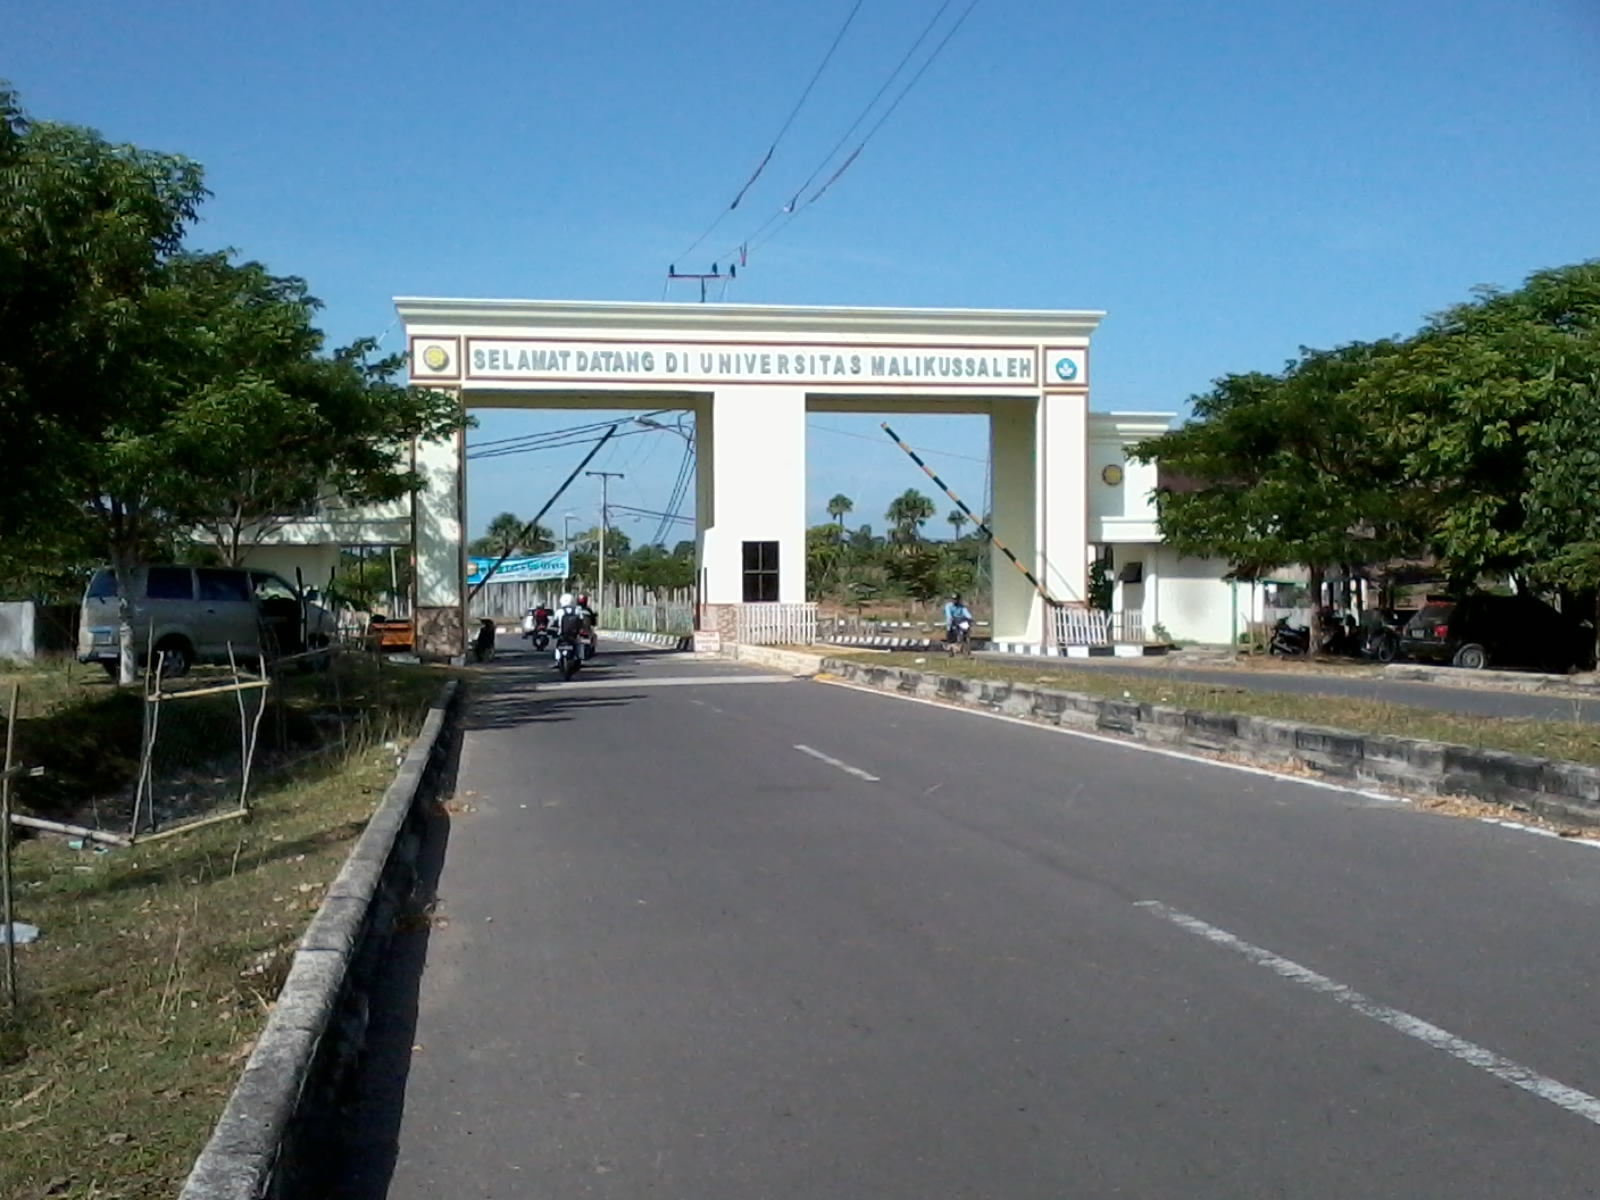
777 624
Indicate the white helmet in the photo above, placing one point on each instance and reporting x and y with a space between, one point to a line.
566 600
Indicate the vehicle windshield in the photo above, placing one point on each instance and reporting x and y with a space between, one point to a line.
270 587
103 586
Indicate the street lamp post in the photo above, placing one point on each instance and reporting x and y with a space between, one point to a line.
566 547
605 519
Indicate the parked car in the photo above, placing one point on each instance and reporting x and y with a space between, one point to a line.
194 614
1482 630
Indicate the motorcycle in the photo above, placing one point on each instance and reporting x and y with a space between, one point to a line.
536 627
483 642
959 640
1289 639
567 658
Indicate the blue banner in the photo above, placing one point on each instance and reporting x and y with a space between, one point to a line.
539 566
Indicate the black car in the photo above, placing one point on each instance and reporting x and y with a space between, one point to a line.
1483 630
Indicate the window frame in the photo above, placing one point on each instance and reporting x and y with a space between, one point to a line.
761 583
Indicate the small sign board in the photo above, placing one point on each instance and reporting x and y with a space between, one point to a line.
707 641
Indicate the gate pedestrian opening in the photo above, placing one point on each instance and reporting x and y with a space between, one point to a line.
750 375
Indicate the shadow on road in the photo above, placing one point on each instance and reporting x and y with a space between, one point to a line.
364 1152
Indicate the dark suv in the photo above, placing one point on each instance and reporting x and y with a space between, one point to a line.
1483 630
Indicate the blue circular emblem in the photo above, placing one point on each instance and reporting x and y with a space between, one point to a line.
1066 369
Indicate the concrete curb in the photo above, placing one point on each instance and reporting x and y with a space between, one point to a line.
1508 681
318 1022
670 640
1557 790
797 662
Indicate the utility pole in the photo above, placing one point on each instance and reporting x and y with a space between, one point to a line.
605 519
704 277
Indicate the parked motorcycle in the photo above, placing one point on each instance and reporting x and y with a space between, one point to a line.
483 641
1289 639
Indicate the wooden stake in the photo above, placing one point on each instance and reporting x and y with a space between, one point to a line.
173 831
94 835
244 685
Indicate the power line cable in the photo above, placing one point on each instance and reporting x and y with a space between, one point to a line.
772 149
923 449
550 433
795 206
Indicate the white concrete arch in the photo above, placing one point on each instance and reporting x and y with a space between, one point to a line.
750 374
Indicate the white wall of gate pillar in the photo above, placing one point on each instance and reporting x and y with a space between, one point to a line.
1014 458
439 546
759 454
1063 483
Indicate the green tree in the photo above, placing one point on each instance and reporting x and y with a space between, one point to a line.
1563 500
1464 404
504 535
1285 469
86 228
185 392
917 572
825 554
840 507
957 521
907 513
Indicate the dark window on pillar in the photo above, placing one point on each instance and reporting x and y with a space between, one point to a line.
760 572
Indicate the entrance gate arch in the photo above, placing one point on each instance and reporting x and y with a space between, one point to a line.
750 374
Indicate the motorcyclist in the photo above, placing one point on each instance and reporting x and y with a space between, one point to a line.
591 644
568 619
954 611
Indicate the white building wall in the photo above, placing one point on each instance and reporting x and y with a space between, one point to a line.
1014 455
1190 598
316 563
758 438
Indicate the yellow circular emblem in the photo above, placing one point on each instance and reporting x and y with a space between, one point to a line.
1112 474
436 358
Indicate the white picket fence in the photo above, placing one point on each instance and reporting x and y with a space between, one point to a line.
1091 627
777 624
624 607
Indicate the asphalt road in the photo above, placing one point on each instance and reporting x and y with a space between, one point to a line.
743 937
1480 702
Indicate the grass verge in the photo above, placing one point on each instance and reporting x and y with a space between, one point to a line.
1574 740
158 964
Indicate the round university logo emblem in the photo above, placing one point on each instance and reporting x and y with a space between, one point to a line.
436 358
1066 369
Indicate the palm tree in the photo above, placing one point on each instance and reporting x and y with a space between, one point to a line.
505 533
839 506
907 513
957 519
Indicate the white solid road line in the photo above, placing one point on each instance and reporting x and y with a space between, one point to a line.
834 762
1579 1103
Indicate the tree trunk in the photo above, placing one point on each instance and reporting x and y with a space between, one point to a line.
1315 585
127 651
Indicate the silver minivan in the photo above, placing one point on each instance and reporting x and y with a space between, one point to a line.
194 614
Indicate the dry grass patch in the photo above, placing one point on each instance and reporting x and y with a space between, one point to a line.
158 965
1574 740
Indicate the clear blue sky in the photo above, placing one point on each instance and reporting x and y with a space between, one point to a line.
1228 179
